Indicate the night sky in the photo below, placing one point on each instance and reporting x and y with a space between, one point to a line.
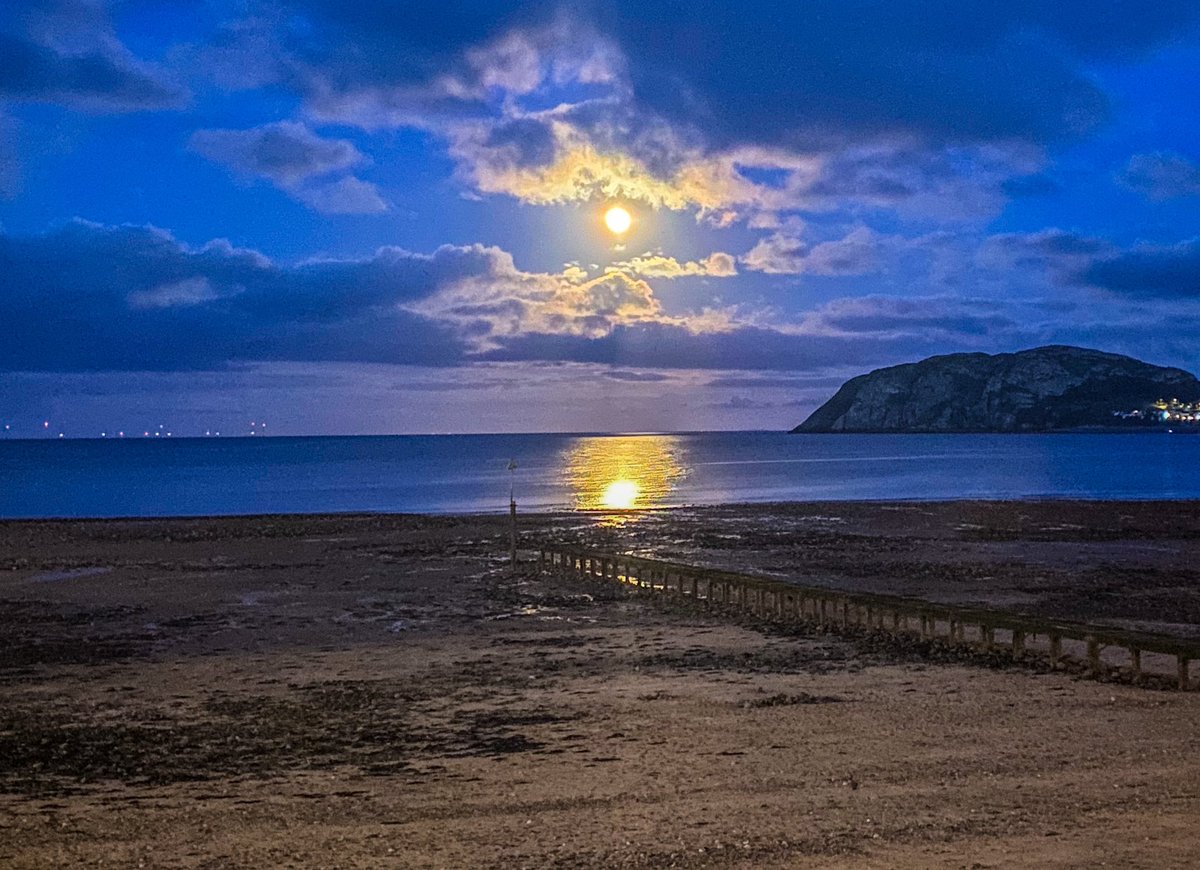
370 217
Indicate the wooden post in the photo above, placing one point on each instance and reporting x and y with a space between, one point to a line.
1093 652
987 637
1055 650
1135 663
1182 662
1018 643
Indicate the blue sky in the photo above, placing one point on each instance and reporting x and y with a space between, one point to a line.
387 217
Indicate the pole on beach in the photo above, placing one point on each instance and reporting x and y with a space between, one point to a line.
512 516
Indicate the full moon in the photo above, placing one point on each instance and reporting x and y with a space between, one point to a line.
618 219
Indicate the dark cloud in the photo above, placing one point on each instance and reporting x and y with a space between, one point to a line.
1166 271
297 161
755 382
347 195
857 253
90 297
529 142
10 160
635 377
928 316
1025 186
66 52
1070 260
741 403
779 72
791 72
1161 175
667 346
285 152
1059 254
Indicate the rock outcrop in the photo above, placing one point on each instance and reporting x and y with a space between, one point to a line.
1045 389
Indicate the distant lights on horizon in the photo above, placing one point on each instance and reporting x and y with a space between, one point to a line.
52 430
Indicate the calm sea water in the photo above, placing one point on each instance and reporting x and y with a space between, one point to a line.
469 472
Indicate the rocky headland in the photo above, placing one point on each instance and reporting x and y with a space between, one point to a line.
1046 389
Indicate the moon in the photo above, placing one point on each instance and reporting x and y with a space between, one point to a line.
618 220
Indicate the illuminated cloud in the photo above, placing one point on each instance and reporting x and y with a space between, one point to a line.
590 152
573 168
503 301
715 265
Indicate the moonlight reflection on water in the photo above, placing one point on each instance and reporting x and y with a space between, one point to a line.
624 473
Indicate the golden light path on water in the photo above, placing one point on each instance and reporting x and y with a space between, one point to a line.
623 473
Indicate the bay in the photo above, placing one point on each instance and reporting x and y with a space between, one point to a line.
469 473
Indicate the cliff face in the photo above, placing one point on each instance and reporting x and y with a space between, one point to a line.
1039 390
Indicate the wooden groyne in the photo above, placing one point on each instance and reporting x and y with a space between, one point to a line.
1101 650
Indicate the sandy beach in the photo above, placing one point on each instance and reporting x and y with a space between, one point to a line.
363 691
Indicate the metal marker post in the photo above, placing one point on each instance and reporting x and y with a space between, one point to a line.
512 514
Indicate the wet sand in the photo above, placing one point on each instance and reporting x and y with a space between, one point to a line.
381 691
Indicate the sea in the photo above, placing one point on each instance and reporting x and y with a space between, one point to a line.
479 473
